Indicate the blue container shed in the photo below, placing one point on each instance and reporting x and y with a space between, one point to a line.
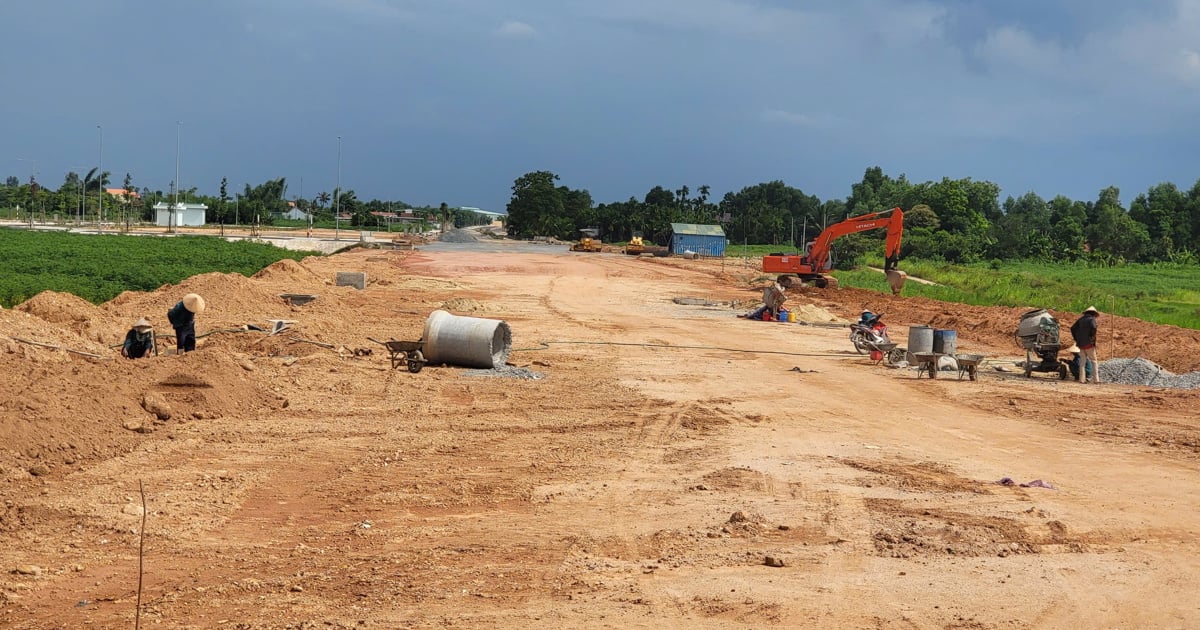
706 240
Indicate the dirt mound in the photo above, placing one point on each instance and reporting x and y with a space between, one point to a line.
813 313
22 325
286 270
232 300
48 429
60 308
464 305
71 312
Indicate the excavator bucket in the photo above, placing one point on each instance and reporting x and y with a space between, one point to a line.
896 280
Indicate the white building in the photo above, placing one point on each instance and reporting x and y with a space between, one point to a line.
185 214
293 213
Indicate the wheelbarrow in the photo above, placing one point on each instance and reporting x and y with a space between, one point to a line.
405 352
927 362
889 352
968 364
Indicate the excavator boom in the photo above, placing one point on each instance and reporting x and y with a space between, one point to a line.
812 265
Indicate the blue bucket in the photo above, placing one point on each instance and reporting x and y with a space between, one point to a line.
783 315
945 341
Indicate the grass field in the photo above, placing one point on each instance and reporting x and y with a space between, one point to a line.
98 268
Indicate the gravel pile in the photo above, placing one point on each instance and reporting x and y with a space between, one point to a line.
459 236
508 371
1143 372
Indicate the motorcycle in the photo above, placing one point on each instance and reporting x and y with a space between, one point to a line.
870 336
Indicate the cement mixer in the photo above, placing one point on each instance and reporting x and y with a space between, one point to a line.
1038 334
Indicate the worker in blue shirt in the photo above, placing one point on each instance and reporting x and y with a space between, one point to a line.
183 318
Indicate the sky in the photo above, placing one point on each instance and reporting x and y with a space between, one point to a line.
451 100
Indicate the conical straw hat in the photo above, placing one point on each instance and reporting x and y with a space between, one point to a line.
193 303
142 324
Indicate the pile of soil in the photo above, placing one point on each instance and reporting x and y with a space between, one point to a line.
50 430
287 270
73 313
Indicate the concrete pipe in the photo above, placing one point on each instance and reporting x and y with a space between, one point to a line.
466 341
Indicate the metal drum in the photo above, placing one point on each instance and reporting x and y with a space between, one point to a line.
945 341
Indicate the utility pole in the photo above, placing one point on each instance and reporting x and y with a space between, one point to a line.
337 202
175 206
100 188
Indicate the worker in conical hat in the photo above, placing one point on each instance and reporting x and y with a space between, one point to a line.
193 303
183 318
1085 331
139 341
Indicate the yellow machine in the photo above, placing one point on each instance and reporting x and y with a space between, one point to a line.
589 242
637 246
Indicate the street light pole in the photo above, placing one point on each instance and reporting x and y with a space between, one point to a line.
175 205
100 212
337 200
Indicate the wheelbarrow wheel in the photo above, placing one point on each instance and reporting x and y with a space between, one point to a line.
895 355
416 361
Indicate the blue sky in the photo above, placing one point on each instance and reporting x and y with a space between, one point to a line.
450 100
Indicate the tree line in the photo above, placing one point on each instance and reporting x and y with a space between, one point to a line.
78 199
956 220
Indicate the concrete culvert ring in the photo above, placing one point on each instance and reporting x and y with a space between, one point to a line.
466 341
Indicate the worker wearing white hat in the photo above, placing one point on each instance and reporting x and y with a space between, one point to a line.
1084 331
183 318
139 341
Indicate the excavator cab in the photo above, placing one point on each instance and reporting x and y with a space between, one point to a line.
805 258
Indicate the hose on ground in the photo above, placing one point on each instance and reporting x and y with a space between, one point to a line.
545 345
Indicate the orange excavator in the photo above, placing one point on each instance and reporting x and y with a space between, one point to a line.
810 267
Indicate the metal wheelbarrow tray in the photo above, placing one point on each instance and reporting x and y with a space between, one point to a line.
968 364
405 352
927 362
891 354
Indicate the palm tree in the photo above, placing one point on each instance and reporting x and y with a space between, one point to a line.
92 182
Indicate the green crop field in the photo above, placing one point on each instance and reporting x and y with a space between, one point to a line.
1159 293
99 267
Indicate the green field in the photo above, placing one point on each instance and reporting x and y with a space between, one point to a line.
98 268
1160 293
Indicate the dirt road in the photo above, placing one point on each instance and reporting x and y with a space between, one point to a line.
294 485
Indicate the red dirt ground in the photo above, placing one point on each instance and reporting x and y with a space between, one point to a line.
299 484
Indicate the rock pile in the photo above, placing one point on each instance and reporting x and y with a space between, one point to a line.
459 236
1148 373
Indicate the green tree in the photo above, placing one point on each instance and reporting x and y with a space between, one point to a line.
1114 236
127 198
878 192
1023 230
535 206
921 216
1165 212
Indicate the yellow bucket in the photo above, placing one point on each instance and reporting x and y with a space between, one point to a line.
791 316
